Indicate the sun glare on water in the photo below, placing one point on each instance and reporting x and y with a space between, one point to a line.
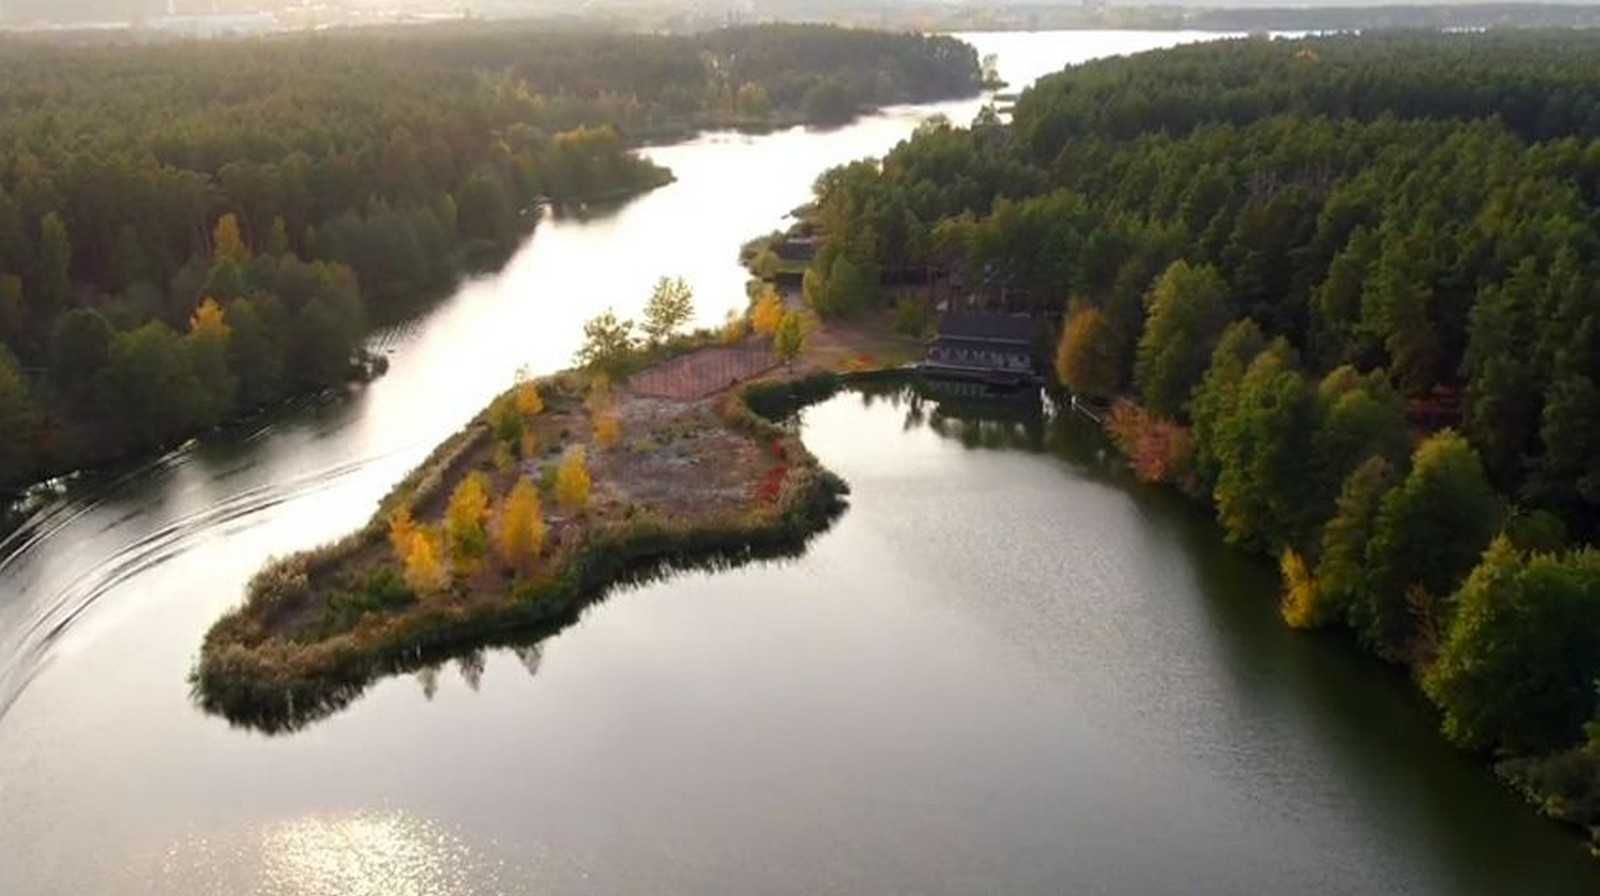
359 854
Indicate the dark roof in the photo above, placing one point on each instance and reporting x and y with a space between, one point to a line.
797 248
1005 346
986 326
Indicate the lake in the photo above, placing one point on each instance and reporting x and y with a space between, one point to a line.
1005 668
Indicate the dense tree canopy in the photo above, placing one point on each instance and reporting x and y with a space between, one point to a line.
1363 273
308 184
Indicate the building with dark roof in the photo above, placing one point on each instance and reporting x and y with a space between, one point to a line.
986 346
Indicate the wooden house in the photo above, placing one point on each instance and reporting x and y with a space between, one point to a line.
984 346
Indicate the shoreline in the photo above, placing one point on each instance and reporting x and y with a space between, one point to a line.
370 366
16 499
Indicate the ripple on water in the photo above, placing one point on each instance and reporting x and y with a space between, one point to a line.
44 625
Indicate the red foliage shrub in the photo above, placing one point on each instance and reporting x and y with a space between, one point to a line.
771 484
1158 449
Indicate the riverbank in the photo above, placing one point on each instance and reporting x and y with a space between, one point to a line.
474 258
666 485
1563 785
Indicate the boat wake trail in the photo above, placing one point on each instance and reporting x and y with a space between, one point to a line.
27 646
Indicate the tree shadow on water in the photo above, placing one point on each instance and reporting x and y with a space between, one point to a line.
290 714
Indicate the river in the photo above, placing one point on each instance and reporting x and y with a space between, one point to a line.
1004 669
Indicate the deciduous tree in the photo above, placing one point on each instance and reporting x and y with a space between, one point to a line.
464 520
227 243
789 340
529 402
1517 671
1187 309
572 480
1302 605
424 567
1087 358
671 306
1428 535
768 312
521 531
607 343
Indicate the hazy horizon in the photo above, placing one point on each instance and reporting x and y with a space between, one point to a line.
84 11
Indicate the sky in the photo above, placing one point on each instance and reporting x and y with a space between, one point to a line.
16 11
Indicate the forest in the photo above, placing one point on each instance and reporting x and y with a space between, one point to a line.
192 231
1344 289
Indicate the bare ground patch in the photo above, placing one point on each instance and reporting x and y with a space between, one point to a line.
703 373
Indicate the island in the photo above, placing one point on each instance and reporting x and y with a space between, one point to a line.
558 490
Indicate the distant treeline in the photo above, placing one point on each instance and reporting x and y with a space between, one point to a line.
306 185
1310 265
1373 18
1033 15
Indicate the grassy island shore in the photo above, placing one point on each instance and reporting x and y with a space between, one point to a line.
622 485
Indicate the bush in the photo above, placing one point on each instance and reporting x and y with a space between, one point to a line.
1158 449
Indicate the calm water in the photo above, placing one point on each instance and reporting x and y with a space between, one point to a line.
1003 669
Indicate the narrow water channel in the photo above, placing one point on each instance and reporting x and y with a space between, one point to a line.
1004 669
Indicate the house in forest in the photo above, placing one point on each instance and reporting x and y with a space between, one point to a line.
986 346
796 249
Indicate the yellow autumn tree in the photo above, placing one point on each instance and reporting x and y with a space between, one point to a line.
464 520
520 535
607 428
789 340
529 402
572 480
424 567
401 528
1301 605
768 313
530 444
226 242
209 321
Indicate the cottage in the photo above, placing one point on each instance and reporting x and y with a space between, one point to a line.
796 249
986 346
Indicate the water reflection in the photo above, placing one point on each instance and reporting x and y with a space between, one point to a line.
977 417
275 718
346 854
997 419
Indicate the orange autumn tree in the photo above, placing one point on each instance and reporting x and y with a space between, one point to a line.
521 532
1086 359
